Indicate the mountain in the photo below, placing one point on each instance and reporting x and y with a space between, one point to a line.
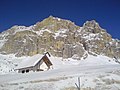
87 52
60 37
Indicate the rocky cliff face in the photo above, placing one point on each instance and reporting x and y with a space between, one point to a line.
61 38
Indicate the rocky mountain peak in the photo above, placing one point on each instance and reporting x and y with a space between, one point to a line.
61 38
91 23
92 27
53 18
55 24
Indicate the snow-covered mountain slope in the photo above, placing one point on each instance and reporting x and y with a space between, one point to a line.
96 72
8 63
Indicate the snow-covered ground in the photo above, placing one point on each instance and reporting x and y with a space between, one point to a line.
95 72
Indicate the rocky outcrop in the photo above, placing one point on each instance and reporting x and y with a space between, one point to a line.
75 51
97 41
61 38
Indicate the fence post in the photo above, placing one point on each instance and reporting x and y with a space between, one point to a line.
78 86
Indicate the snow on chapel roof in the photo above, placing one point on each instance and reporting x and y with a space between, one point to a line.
30 61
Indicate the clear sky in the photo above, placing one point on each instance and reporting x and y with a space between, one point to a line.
28 12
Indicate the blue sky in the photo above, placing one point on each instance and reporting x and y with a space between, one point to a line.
28 12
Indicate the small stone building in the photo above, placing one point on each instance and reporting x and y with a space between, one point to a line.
35 63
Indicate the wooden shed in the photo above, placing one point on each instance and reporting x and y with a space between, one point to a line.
35 63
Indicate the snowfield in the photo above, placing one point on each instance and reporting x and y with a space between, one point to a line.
95 72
